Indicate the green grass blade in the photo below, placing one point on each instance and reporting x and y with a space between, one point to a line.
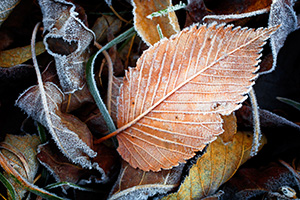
290 102
8 186
92 83
72 185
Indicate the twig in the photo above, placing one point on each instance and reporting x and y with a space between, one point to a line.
256 123
69 102
110 76
119 16
129 51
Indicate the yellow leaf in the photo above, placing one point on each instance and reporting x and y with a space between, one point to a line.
215 167
19 55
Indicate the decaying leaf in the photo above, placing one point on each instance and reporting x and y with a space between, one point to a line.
12 57
264 182
147 28
6 7
215 167
20 153
67 40
71 135
105 23
170 104
64 171
230 128
137 184
282 13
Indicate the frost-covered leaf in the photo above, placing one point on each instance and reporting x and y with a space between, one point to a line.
6 7
20 153
215 167
147 28
67 40
12 57
170 104
71 135
137 184
282 13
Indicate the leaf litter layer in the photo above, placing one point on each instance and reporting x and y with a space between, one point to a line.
170 104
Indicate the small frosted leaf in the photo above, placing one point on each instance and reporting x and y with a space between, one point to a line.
137 184
71 135
6 7
282 13
67 41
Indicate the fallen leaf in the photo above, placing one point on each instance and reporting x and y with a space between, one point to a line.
137 184
12 57
196 11
170 106
264 182
6 7
215 167
64 171
20 153
282 13
67 41
147 28
71 135
102 24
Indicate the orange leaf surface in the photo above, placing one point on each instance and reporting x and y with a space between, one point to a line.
170 104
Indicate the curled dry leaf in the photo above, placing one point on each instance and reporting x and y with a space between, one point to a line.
6 7
137 184
170 104
67 40
20 153
215 167
147 28
71 135
12 57
282 13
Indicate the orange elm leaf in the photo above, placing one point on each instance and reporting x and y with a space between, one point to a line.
170 105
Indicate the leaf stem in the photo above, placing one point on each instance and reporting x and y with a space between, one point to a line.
92 83
256 123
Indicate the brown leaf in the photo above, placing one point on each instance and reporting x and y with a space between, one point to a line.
102 24
6 7
215 167
12 57
67 41
263 182
71 135
147 28
137 184
61 168
20 153
170 105
230 128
